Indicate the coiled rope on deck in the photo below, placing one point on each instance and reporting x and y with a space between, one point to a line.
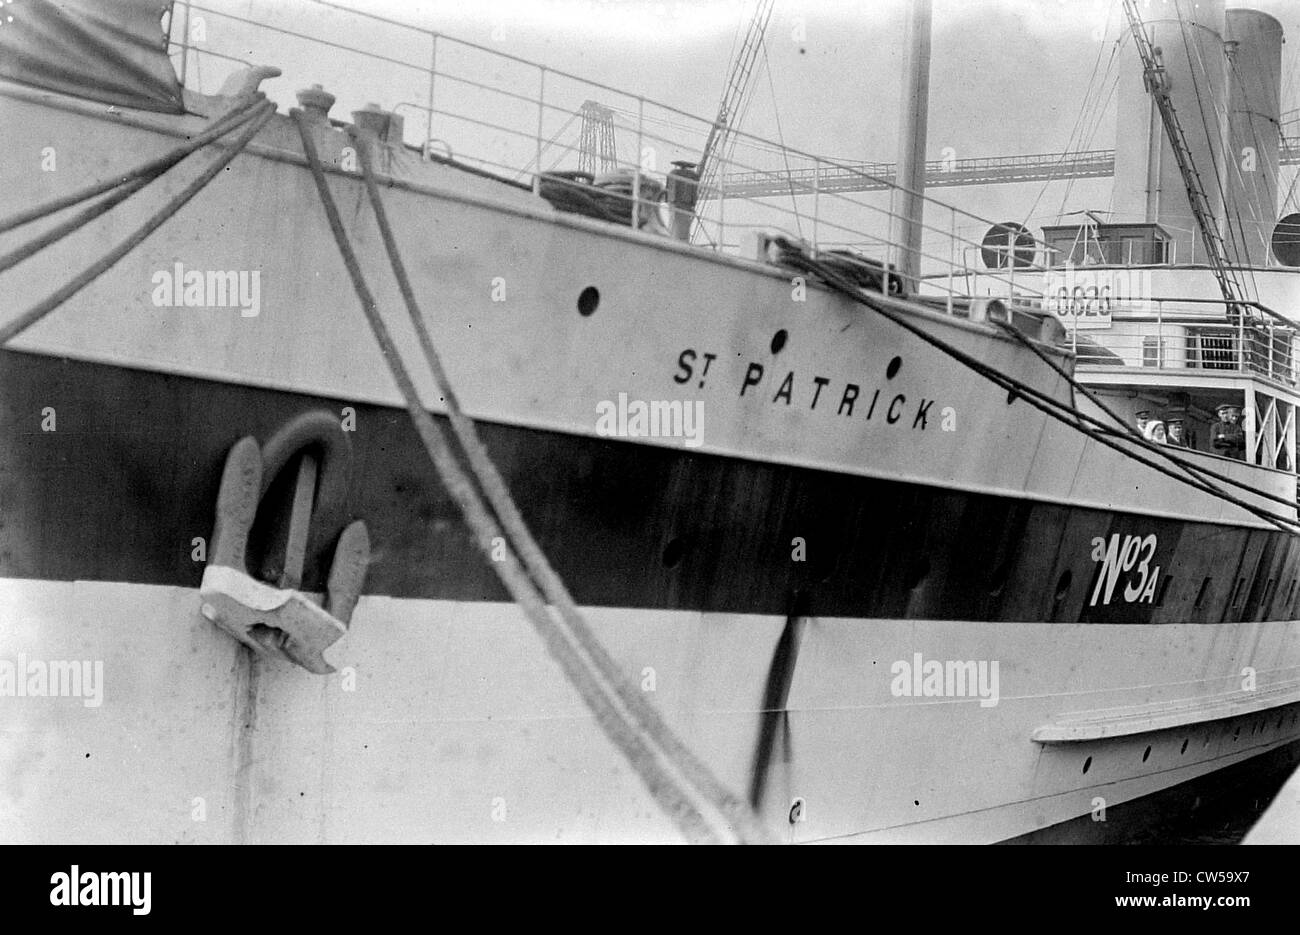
682 787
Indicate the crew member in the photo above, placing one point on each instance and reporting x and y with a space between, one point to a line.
1177 432
1227 437
1143 417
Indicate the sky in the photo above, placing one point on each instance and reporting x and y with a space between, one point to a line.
1007 76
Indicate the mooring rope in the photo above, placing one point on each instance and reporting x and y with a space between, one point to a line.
240 112
76 222
898 311
1130 431
700 816
252 120
531 554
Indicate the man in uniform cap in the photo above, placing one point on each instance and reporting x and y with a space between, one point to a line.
1227 437
1177 432
1143 417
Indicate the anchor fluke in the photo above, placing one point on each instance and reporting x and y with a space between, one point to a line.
274 621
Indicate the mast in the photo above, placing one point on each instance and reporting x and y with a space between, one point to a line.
909 197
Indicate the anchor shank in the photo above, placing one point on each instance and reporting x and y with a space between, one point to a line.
295 549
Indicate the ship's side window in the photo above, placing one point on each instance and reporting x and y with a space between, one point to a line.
1153 352
1236 594
1290 592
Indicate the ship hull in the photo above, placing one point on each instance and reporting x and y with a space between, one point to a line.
448 723
858 508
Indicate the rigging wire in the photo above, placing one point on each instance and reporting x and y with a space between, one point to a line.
1130 431
1099 115
1269 171
1232 160
1230 241
1078 120
776 112
1290 192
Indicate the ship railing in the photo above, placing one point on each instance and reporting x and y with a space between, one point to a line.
1188 334
517 119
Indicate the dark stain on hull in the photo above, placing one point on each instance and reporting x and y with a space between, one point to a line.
775 717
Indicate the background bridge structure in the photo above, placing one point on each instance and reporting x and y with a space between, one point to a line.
983 170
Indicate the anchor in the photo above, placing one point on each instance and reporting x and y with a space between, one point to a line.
282 621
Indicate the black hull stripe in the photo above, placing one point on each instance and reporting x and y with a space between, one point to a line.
129 478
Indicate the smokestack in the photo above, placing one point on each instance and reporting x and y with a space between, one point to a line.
1255 80
1148 186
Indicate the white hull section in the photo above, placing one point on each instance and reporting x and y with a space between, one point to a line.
447 723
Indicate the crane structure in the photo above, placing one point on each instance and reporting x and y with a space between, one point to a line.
721 136
597 149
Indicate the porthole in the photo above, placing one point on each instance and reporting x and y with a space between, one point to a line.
778 341
892 369
1146 754
1087 764
673 553
1184 747
588 301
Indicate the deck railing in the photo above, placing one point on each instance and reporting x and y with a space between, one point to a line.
1197 335
518 119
